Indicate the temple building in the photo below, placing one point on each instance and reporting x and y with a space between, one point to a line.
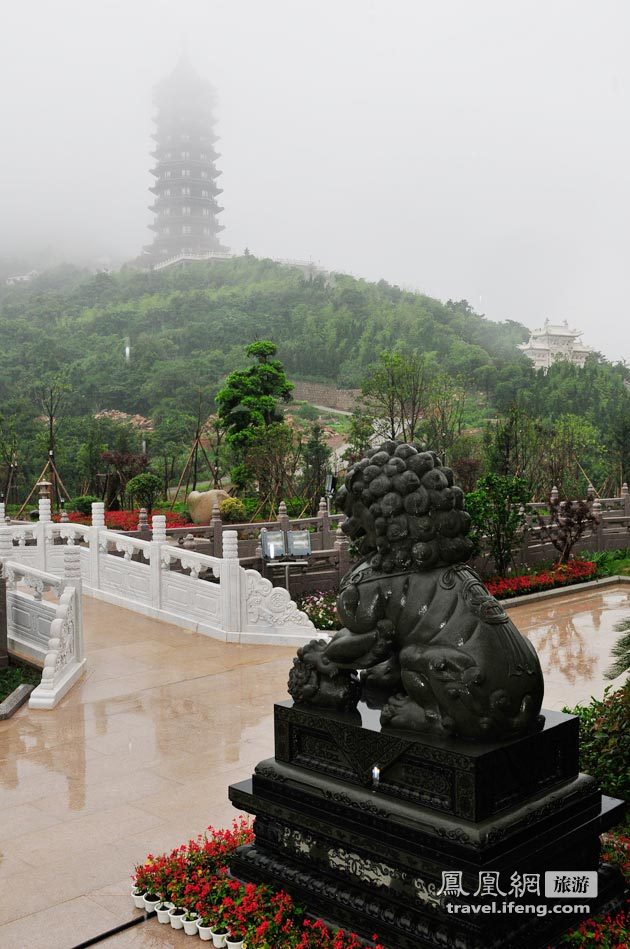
555 342
185 171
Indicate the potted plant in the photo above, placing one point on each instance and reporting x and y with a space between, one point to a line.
176 916
219 934
190 922
151 900
204 925
162 911
141 879
235 940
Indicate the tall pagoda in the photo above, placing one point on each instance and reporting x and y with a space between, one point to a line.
185 171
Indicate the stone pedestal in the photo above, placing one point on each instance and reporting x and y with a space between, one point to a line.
359 824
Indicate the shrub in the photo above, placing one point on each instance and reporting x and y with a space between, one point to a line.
145 488
566 523
611 562
605 741
232 511
82 503
296 506
496 511
620 651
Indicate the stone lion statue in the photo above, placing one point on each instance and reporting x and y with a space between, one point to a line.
436 652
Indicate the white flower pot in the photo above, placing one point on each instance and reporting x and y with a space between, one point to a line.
138 898
205 932
234 944
219 940
190 926
162 910
152 902
177 921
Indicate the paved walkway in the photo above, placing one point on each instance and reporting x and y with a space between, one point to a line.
138 757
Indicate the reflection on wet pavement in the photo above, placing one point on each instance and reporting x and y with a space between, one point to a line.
138 757
574 636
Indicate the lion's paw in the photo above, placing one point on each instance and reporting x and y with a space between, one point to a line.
402 712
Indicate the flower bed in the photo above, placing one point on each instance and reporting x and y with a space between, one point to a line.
320 606
195 876
562 575
610 931
320 609
125 520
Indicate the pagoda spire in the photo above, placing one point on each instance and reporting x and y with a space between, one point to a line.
185 172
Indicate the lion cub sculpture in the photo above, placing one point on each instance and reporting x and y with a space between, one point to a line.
436 652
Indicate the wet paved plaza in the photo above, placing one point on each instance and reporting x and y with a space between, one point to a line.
138 757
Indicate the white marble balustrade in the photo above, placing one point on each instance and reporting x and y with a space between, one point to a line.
212 595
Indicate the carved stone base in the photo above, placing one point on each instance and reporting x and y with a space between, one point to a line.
371 857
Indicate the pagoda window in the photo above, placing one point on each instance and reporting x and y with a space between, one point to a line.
185 154
167 192
206 230
186 229
185 172
185 190
166 230
204 174
167 174
204 193
205 212
185 210
203 156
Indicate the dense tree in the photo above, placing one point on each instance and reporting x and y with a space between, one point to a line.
396 393
250 397
496 508
315 462
446 402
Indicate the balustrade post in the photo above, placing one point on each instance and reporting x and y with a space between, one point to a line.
3 514
342 546
524 535
599 525
158 540
553 497
6 545
324 524
6 551
158 525
94 541
216 532
233 587
625 497
143 519
284 522
45 518
72 577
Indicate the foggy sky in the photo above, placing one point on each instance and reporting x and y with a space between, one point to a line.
466 148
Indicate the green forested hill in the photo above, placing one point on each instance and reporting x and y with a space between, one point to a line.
188 328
